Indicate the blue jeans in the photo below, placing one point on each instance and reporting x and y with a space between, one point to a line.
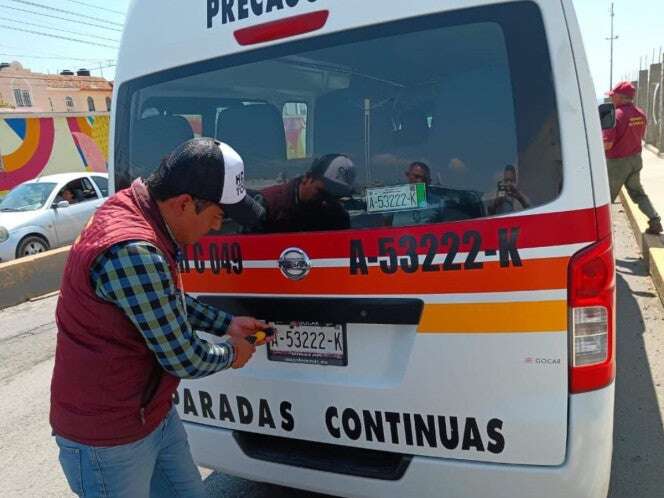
159 465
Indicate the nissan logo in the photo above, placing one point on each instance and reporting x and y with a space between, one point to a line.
294 263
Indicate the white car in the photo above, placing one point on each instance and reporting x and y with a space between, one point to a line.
48 212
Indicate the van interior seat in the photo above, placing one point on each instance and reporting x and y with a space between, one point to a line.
255 131
339 124
154 138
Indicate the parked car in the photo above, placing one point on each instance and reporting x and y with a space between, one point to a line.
48 212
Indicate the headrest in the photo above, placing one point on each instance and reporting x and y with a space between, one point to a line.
255 131
339 124
154 138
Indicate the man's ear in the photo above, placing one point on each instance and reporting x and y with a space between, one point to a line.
179 202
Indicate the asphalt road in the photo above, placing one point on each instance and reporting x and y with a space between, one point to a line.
28 454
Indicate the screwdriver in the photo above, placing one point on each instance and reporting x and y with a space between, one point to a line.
259 337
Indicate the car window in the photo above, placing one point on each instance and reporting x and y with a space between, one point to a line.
76 191
27 197
102 183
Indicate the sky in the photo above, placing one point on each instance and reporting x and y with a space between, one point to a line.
639 25
94 28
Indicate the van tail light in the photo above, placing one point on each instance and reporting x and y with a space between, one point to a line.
592 303
282 28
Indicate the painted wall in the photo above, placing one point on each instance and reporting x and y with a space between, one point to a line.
653 109
48 144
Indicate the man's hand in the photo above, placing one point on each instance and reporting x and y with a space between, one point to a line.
244 350
244 326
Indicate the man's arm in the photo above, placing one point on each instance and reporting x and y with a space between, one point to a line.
609 138
612 135
135 277
212 320
207 318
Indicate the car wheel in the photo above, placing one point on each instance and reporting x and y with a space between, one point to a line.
31 245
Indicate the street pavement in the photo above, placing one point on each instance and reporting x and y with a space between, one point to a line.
29 456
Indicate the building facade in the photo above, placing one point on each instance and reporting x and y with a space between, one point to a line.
22 91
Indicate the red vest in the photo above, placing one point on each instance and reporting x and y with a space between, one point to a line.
108 388
628 133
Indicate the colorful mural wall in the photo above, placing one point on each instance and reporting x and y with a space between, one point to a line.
45 145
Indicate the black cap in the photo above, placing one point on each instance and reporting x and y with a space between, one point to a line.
337 172
205 169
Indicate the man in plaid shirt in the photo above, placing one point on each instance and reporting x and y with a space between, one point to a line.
127 331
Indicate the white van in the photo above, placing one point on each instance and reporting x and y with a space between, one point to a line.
446 327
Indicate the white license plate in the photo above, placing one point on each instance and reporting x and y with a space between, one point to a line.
309 342
396 198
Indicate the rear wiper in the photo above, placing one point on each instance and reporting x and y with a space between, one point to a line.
9 210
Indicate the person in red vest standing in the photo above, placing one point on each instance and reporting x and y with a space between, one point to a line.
126 329
623 146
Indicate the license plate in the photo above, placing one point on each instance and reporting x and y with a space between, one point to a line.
396 198
309 342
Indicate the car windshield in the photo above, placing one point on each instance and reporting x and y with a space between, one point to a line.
27 197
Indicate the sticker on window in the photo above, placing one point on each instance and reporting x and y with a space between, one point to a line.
397 197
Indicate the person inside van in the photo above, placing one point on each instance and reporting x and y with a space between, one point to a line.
310 202
508 197
419 172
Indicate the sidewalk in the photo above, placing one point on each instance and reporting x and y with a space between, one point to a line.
652 247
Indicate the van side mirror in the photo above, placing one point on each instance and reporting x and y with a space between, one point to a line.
60 204
607 116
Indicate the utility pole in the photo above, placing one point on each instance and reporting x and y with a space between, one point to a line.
612 38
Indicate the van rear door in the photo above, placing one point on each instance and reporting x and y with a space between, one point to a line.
425 312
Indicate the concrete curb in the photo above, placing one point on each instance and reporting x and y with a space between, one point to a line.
31 277
652 246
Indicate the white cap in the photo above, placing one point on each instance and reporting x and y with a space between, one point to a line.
234 184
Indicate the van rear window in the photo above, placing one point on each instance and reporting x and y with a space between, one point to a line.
446 117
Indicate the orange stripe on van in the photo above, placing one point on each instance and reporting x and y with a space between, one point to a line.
494 318
535 274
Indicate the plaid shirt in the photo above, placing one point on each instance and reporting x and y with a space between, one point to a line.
135 277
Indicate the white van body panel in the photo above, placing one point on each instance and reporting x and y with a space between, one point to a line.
584 474
388 384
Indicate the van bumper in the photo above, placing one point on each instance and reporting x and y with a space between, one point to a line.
584 474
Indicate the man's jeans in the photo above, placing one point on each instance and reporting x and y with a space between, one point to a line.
160 465
627 171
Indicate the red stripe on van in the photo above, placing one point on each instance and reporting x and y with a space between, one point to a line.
541 230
